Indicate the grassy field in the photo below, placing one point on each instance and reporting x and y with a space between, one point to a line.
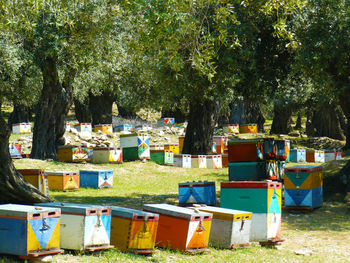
325 233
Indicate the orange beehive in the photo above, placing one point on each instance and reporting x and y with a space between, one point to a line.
181 228
249 150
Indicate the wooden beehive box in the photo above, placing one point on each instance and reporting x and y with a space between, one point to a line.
37 178
83 226
182 160
135 146
96 178
181 228
172 147
329 155
122 127
314 156
104 128
231 128
165 122
20 128
229 228
144 127
133 230
282 150
84 129
338 154
253 171
214 161
107 155
303 186
297 155
220 143
197 193
162 157
248 128
15 149
224 158
198 161
62 180
29 231
249 150
72 154
181 143
263 199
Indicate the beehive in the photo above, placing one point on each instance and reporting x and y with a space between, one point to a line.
144 127
96 178
303 186
197 193
231 128
198 161
248 128
172 147
135 146
84 129
329 155
83 226
252 171
104 128
214 161
338 154
249 150
224 158
220 143
72 153
229 228
263 199
29 231
37 178
280 170
297 155
181 228
314 156
107 155
133 230
122 127
162 157
15 149
62 180
269 147
182 160
20 128
282 150
181 143
165 121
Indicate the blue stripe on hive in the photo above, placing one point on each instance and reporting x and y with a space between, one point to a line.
43 229
274 205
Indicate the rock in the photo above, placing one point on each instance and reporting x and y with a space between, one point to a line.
110 135
303 252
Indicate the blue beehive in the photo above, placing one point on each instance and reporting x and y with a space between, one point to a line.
96 178
29 231
122 127
298 155
197 193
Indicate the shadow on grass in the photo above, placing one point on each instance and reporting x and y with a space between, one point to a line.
329 217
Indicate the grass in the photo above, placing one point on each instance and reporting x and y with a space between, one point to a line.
325 232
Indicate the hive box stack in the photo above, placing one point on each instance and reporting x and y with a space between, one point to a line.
15 149
298 155
63 180
172 147
122 128
135 146
197 193
96 178
37 178
133 230
181 228
231 128
263 199
162 157
248 128
229 228
107 155
20 128
198 161
314 156
182 160
29 231
104 128
303 187
84 129
83 226
165 122
214 161
72 154
282 150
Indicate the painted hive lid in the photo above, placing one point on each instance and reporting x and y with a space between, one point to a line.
21 123
99 125
224 213
198 156
303 168
251 184
95 171
31 171
106 148
60 173
196 184
82 124
133 135
231 124
173 144
213 156
245 141
298 150
123 125
79 209
249 124
172 210
28 211
132 213
181 155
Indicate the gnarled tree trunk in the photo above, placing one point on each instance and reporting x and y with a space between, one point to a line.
13 188
298 122
281 123
344 101
82 111
20 113
101 107
203 117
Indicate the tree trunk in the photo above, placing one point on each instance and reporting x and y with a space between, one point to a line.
13 188
126 113
298 123
101 107
82 112
245 111
344 101
49 112
19 114
324 122
281 119
200 129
